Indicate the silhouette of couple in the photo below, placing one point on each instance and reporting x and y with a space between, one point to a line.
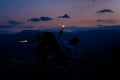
48 43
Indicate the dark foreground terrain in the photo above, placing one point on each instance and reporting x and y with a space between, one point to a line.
97 55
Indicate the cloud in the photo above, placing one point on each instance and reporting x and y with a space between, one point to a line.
12 22
27 27
43 18
111 27
105 11
106 21
64 16
35 19
20 27
6 26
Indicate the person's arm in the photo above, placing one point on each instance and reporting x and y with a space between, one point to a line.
61 31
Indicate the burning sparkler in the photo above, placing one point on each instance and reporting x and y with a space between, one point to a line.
63 26
61 31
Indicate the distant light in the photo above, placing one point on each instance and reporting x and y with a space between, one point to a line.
23 41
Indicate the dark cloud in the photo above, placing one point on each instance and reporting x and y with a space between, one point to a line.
106 21
43 18
6 26
110 27
27 27
105 11
14 22
64 16
9 27
35 19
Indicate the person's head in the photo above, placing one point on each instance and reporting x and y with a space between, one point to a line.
51 41
74 41
48 36
38 36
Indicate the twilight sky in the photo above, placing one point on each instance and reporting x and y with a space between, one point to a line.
18 15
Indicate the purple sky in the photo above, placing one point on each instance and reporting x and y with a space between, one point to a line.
18 15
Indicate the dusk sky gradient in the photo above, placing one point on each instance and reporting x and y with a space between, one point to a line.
22 14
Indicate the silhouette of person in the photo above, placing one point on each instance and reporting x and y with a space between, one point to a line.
51 42
40 48
67 48
40 51
53 48
47 45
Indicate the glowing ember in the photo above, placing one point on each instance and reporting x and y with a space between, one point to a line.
63 26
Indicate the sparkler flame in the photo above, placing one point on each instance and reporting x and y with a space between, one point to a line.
63 26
